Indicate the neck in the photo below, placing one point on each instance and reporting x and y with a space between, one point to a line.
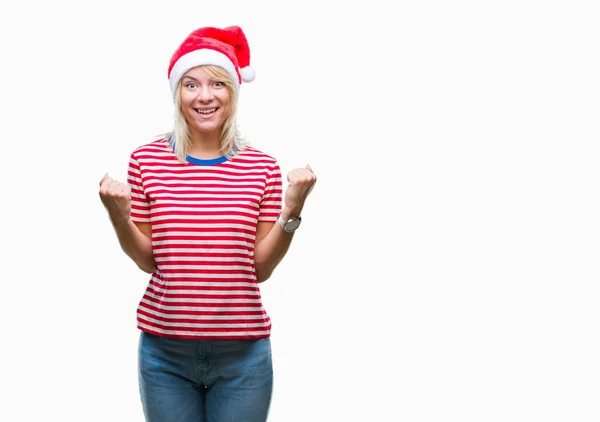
205 145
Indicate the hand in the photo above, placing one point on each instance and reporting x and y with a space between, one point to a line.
300 183
116 197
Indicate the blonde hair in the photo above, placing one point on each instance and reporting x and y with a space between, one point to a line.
231 140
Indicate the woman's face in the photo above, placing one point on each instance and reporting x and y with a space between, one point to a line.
205 102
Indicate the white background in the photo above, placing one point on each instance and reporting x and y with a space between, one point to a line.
447 265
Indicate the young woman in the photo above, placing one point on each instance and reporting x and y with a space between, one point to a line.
204 213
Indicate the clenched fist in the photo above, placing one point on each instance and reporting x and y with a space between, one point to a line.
116 197
300 183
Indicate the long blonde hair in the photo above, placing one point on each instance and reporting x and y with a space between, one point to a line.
231 140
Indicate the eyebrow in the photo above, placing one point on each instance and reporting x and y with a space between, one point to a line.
189 77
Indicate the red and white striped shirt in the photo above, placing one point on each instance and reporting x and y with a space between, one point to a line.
203 221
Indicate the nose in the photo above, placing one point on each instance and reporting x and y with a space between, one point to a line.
205 94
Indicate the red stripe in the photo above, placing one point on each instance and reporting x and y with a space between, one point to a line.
213 246
252 209
183 237
207 170
208 288
204 313
201 230
199 272
201 254
205 320
187 198
204 221
212 220
205 279
208 262
204 329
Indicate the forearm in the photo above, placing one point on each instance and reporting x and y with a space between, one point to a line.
269 252
135 244
271 249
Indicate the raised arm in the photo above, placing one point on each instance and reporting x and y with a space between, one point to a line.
135 238
272 242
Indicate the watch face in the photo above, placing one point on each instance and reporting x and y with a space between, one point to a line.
292 225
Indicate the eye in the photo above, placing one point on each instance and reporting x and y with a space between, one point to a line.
190 85
219 84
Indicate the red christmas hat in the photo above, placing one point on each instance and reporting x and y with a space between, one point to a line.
227 48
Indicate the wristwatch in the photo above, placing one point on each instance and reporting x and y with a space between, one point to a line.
290 225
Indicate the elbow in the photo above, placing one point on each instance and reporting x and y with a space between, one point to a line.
146 268
262 273
144 262
263 278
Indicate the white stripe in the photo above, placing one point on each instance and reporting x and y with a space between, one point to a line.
201 226
175 251
240 191
199 259
134 180
217 210
205 267
209 317
145 208
198 185
203 276
203 283
222 209
202 300
207 292
213 211
201 242
200 233
203 308
197 217
194 197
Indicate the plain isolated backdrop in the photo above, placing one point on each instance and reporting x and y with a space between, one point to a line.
446 268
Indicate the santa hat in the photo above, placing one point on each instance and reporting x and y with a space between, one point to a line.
227 48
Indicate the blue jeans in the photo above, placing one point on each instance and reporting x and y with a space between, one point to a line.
185 380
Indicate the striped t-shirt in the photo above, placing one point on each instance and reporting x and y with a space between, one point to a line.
203 215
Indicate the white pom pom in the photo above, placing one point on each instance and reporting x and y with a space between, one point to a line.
248 74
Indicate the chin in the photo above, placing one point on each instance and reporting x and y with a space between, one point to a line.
206 128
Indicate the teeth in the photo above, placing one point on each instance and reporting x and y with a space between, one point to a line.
212 110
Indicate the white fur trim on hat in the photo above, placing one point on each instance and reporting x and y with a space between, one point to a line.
198 58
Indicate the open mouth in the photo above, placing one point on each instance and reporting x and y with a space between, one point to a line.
206 111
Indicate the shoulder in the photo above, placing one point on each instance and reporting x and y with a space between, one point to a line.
158 146
258 157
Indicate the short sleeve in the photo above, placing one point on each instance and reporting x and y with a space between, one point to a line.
271 202
140 206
